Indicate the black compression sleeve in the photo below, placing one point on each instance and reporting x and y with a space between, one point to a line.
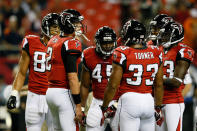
69 58
71 63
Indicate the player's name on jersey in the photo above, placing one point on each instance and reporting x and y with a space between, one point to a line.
145 55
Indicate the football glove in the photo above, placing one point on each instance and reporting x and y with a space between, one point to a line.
83 121
11 104
158 115
108 112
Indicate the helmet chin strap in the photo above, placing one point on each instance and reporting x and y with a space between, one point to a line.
103 52
167 44
127 41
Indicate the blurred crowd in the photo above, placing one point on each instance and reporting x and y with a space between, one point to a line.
19 18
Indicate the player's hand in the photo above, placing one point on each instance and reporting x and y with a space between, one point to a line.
107 112
158 115
79 114
11 104
83 121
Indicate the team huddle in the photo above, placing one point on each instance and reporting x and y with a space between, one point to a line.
136 80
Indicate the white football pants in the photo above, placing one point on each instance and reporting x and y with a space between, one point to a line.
94 116
173 116
36 112
62 108
136 112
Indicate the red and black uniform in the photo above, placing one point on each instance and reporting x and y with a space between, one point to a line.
61 59
179 52
139 67
100 70
35 48
62 56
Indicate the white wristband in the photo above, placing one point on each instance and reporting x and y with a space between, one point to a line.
178 79
115 104
14 93
82 109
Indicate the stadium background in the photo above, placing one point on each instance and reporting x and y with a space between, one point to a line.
22 17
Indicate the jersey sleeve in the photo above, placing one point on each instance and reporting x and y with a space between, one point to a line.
83 59
185 53
73 47
71 51
25 45
119 57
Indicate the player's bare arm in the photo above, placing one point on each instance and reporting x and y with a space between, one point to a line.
74 86
158 95
158 86
85 84
179 74
113 84
23 67
19 80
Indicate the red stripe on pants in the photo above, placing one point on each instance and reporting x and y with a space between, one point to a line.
179 126
77 127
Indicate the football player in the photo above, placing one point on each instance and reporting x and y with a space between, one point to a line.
136 68
155 25
96 70
80 28
63 94
33 58
177 59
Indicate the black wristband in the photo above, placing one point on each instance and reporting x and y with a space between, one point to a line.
76 98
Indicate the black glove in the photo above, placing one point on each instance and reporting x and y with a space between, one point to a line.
11 104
